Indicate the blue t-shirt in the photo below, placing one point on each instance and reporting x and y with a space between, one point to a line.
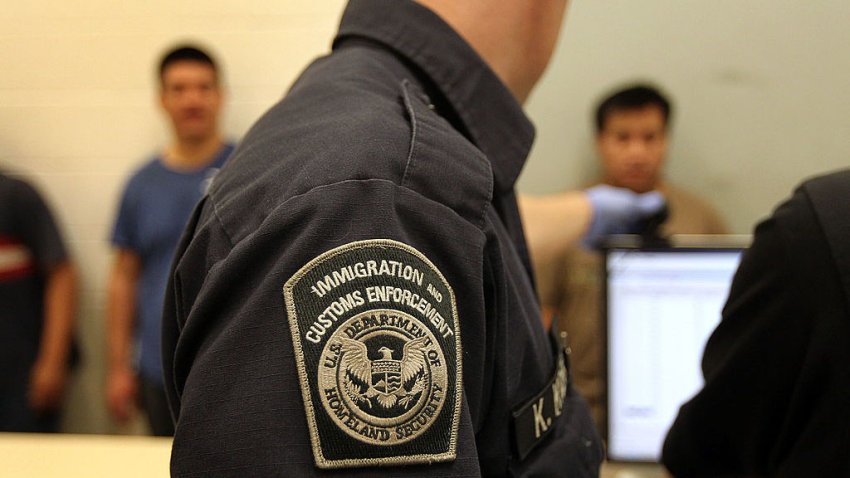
155 207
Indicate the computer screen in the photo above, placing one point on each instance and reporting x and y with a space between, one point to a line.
661 307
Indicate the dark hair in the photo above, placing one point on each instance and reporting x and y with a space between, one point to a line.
632 98
186 53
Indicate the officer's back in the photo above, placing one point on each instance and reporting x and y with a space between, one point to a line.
355 292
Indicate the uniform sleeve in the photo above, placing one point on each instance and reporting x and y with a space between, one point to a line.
753 361
39 229
237 380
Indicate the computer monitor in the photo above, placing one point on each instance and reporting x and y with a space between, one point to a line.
661 305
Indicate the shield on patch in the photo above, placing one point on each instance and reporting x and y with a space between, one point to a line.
386 373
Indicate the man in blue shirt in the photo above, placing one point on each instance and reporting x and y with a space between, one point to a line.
157 201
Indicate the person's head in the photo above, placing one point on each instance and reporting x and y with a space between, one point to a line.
631 137
190 92
516 37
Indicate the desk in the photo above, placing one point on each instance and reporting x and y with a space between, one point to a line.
72 456
618 470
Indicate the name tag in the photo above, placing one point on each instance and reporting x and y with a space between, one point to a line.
536 418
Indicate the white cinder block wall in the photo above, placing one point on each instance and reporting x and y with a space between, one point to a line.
760 89
78 112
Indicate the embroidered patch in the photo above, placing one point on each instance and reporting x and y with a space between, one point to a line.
374 325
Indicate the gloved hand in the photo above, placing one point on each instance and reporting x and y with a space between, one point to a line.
618 211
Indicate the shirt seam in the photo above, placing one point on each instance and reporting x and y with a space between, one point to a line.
232 243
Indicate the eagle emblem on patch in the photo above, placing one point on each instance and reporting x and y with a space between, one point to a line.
374 326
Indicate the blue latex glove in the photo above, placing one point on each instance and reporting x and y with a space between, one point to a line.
618 211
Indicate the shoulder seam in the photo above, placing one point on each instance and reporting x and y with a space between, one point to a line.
232 242
221 224
408 104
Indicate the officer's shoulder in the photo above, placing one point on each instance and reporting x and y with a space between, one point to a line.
375 121
354 116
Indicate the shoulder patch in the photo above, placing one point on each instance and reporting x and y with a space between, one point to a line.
377 344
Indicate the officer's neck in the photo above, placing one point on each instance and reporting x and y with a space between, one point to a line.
515 38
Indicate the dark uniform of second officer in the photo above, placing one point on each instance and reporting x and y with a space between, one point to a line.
354 297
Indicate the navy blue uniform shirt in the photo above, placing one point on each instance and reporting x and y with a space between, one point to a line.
356 290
